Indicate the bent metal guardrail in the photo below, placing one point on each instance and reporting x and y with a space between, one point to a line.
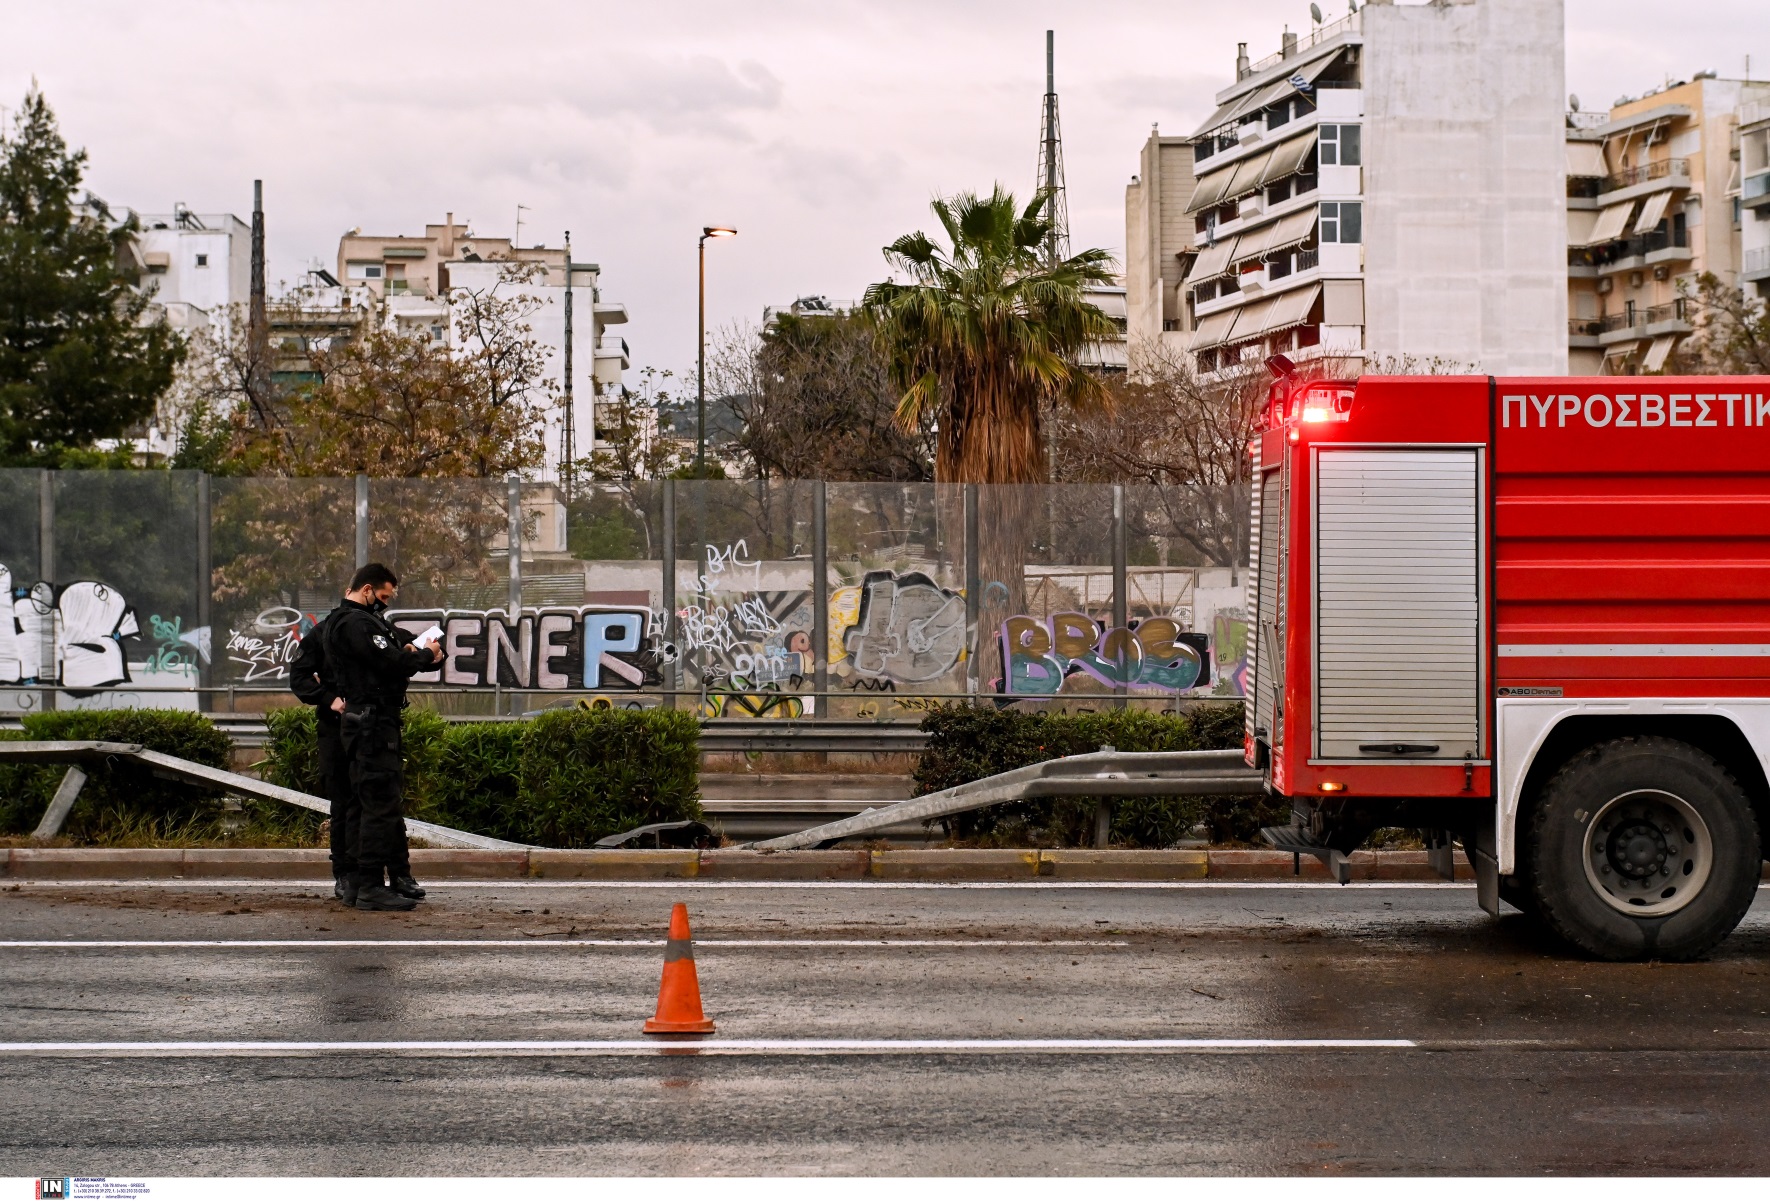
172 767
1106 772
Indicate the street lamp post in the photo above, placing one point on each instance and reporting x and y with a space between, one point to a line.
700 453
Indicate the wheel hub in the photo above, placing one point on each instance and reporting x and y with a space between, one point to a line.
1648 853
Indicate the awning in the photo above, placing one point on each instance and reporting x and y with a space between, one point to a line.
1288 157
1293 229
1212 261
1659 352
1249 173
1611 222
1579 226
1253 243
1586 159
1261 97
1618 354
1652 209
1213 330
1291 308
1250 321
1209 189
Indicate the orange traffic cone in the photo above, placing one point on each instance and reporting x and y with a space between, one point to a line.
679 996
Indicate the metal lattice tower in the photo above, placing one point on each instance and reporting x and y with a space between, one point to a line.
1050 174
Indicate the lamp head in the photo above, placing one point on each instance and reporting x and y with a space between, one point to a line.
718 231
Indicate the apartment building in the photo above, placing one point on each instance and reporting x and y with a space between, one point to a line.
197 266
1655 197
1752 195
418 279
1160 243
1386 187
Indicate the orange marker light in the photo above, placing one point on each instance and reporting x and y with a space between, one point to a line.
1331 786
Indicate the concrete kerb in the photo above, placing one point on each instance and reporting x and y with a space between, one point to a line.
31 863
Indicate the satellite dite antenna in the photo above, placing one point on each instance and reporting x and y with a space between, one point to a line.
1573 101
1315 13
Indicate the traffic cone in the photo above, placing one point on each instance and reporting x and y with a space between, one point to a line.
679 996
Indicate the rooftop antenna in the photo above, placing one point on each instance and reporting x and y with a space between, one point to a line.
257 320
568 435
1051 162
516 238
1315 13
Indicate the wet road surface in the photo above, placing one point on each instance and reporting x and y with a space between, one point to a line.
995 1030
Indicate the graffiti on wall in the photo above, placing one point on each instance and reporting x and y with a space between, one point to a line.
72 635
902 628
1229 638
263 650
590 647
745 647
1153 655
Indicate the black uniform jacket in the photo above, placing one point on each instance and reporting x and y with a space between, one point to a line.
368 661
307 671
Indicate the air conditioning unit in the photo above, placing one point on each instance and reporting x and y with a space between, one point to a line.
1662 272
1604 285
1636 279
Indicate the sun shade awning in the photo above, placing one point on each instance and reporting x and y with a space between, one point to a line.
1659 352
1259 98
1611 222
1586 159
1209 189
1293 229
1291 308
1212 331
1653 208
1212 261
1579 226
1288 157
1248 175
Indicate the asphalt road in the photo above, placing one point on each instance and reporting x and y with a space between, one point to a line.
996 1030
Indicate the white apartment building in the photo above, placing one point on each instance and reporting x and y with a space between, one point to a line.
419 279
1657 194
1387 187
197 265
1752 202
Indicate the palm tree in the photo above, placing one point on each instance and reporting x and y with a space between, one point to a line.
986 332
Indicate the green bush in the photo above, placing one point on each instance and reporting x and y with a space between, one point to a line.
970 742
562 779
122 792
588 773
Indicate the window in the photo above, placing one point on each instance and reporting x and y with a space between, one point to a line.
1342 221
363 270
202 260
1341 146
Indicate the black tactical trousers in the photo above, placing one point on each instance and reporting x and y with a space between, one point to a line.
377 782
335 786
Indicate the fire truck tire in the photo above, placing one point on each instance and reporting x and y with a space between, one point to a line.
1642 848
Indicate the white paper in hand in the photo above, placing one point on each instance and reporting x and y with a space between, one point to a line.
430 637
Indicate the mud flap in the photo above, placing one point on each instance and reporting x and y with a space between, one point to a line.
1483 855
1441 854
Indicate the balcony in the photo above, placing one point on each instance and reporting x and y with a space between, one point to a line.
1755 265
1630 254
1756 192
1583 332
1647 177
1634 323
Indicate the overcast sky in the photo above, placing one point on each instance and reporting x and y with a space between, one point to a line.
820 130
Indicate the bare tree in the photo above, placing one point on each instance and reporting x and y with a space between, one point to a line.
1732 330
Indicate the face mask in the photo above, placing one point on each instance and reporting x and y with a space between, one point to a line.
377 605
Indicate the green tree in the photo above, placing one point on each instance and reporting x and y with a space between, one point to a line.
77 361
985 332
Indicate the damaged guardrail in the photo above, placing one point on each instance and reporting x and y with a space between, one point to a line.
1105 773
173 767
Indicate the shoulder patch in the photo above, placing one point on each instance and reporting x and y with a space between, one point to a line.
381 641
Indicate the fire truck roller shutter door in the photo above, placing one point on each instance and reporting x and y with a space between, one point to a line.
1398 604
1267 640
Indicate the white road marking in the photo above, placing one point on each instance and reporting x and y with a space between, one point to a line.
321 944
728 1046
764 885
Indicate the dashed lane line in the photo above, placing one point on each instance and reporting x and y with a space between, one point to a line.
325 944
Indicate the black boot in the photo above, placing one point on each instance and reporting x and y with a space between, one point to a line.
344 889
379 896
408 887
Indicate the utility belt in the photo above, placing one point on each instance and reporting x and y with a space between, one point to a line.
359 719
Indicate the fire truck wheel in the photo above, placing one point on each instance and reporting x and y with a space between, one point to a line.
1642 847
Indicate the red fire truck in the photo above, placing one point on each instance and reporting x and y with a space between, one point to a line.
1531 616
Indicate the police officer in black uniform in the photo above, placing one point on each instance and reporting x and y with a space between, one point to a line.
368 663
307 680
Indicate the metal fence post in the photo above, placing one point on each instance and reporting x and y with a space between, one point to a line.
973 585
205 588
820 599
362 520
46 573
672 670
514 505
1120 607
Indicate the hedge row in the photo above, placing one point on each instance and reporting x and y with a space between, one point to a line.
562 779
969 742
121 796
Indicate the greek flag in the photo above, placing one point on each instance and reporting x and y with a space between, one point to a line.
1302 85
